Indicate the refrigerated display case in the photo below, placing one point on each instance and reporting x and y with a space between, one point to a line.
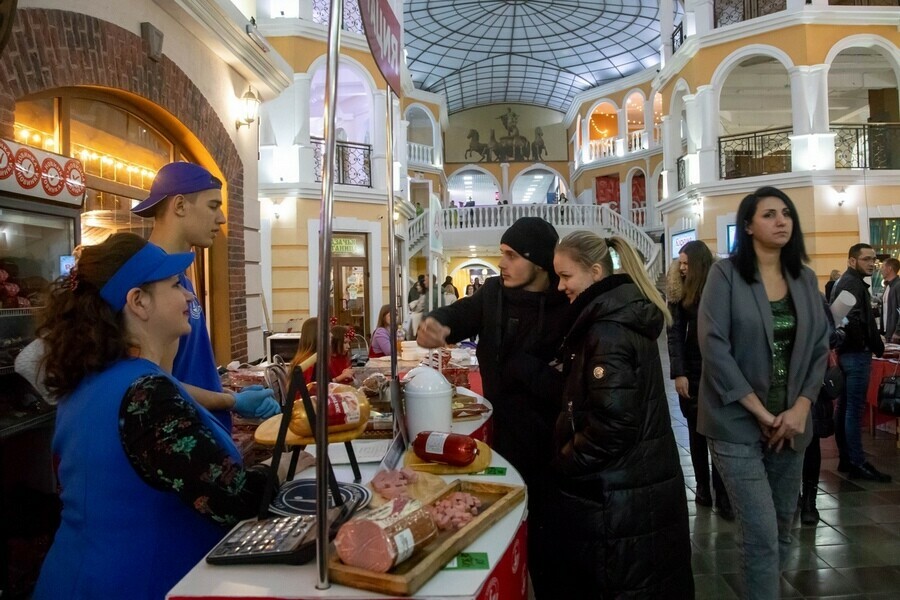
41 195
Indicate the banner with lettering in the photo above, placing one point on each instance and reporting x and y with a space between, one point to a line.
383 33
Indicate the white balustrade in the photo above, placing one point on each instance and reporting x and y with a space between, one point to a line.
603 148
635 141
420 154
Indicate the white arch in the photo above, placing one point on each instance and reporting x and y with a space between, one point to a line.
602 101
867 40
541 167
348 60
475 262
734 59
435 128
679 91
474 167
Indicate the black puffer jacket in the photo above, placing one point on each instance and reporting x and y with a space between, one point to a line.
622 509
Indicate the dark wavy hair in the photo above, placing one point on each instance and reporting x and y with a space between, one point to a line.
700 260
793 254
82 333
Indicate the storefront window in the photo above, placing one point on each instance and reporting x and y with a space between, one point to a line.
37 124
115 145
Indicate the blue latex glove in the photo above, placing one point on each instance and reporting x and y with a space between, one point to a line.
256 401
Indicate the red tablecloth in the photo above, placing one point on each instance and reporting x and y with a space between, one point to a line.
881 368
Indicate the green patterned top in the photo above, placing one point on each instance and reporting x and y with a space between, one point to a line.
784 318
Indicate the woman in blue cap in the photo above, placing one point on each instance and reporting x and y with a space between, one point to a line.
150 479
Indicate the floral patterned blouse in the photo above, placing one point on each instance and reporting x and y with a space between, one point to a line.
172 450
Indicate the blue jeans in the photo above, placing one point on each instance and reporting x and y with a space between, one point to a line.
763 486
848 419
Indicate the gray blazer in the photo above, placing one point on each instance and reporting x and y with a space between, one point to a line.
892 323
736 333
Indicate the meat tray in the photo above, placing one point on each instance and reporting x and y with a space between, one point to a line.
407 577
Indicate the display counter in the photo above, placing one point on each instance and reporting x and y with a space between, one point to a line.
504 543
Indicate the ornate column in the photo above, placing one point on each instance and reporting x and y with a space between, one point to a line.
379 140
306 153
707 151
504 183
666 27
812 142
402 183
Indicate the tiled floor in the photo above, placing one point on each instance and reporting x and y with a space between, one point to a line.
854 551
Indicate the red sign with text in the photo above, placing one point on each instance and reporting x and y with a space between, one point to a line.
383 33
32 172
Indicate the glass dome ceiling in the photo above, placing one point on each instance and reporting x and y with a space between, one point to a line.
539 52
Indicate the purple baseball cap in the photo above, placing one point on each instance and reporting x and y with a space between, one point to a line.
176 178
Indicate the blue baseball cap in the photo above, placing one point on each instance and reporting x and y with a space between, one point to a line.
149 264
176 178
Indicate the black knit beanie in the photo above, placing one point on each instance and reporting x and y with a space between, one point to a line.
533 238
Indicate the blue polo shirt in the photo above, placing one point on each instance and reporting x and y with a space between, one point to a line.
194 362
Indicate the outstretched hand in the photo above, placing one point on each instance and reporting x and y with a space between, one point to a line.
432 334
255 401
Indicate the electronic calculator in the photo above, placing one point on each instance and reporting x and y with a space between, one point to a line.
286 540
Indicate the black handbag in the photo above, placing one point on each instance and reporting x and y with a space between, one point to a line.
889 394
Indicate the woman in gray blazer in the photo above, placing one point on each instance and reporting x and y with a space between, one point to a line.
763 338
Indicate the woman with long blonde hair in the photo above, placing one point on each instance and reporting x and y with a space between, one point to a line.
621 502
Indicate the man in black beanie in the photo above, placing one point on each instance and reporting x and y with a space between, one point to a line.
520 319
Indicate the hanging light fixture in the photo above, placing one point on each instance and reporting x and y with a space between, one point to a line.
249 108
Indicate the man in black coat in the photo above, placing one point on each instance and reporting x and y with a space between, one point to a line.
520 319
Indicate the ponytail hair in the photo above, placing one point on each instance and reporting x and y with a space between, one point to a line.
587 249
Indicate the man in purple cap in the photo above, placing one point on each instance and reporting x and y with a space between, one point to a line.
185 203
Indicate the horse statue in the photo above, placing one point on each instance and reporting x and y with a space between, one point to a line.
476 146
537 146
513 144
494 148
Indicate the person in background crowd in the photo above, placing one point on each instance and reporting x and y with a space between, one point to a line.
470 289
829 285
417 306
419 209
621 512
150 479
763 339
861 340
890 301
185 203
821 420
449 288
381 337
339 367
414 292
684 290
520 318
306 347
477 284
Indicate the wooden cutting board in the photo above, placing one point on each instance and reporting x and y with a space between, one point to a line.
481 462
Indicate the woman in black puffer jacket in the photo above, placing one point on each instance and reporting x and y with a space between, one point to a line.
621 508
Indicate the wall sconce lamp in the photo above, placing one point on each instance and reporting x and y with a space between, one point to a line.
276 208
842 195
249 109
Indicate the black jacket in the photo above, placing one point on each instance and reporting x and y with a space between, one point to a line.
519 334
891 325
684 350
617 462
861 332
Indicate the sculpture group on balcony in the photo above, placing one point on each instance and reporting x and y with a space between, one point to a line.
510 147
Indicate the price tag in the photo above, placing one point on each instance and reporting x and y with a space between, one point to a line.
469 561
494 471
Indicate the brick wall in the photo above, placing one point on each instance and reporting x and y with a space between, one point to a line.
50 49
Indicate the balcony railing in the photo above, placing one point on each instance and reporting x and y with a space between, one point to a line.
352 17
864 2
635 140
591 217
353 165
604 148
420 154
677 37
735 11
757 153
869 146
681 165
